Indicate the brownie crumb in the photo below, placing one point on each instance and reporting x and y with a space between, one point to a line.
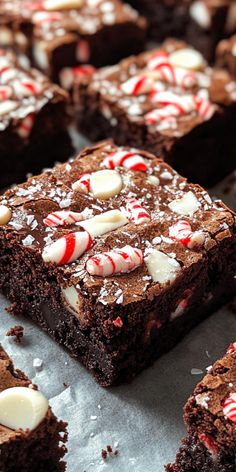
16 332
104 454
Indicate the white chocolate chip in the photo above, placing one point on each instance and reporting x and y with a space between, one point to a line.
187 205
7 106
161 267
104 223
105 184
153 180
187 58
71 297
57 5
201 14
5 214
22 407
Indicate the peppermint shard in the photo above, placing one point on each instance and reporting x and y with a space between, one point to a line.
116 256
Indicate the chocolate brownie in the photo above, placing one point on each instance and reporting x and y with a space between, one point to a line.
33 121
226 54
210 417
115 256
209 22
169 102
165 17
58 34
32 439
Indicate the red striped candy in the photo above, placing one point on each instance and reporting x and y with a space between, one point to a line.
165 71
83 184
137 85
62 218
25 127
138 214
181 232
5 92
208 442
231 348
122 260
68 74
229 407
130 160
68 248
27 87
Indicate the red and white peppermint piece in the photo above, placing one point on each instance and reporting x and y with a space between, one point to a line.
118 322
231 348
5 92
204 108
229 407
208 442
62 218
122 260
138 214
42 18
83 184
183 233
83 51
68 74
7 106
25 127
183 103
68 248
127 159
138 85
165 71
27 87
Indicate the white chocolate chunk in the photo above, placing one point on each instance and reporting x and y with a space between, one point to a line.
161 267
201 14
71 297
5 214
58 5
187 58
153 180
7 106
104 223
22 407
105 184
187 205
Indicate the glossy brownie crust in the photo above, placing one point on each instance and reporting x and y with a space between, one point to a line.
210 444
39 450
33 122
202 151
148 315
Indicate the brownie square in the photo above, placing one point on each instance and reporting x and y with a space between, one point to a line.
210 418
115 256
28 450
33 121
226 54
59 35
209 22
169 102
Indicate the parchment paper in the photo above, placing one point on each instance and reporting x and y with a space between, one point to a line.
143 420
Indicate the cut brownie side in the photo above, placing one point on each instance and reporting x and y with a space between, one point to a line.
60 35
168 102
33 121
211 421
209 22
26 446
226 55
116 256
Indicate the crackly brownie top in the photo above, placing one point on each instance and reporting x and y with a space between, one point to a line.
23 93
116 224
170 90
54 19
215 396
